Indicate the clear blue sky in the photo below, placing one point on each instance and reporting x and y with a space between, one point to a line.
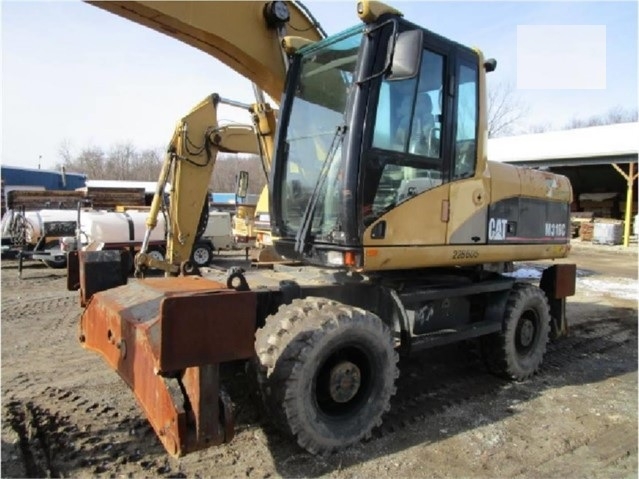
77 74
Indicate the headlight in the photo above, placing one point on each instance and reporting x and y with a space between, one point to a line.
335 258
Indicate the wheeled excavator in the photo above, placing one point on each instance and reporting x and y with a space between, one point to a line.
380 186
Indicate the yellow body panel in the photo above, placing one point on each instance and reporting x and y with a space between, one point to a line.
390 258
468 198
542 184
418 221
506 181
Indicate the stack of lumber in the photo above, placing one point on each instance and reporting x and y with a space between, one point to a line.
585 231
43 199
109 198
99 198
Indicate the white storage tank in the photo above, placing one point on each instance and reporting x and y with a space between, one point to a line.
53 223
118 227
610 233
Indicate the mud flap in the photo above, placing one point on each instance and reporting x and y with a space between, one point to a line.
99 271
166 338
73 271
558 282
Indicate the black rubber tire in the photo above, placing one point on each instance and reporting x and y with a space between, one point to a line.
517 352
305 346
201 255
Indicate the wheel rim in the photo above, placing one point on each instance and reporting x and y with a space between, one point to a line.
527 332
201 256
155 254
343 382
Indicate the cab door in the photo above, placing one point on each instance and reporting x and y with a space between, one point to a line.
406 186
469 188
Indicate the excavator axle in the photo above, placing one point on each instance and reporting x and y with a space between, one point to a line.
166 338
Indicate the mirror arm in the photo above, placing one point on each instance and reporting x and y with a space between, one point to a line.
391 48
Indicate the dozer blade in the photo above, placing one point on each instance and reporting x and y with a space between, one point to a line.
166 338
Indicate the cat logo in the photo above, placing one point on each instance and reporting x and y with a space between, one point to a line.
497 229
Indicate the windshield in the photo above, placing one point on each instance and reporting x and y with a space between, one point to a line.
313 139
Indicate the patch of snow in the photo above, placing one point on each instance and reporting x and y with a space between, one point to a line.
624 288
525 273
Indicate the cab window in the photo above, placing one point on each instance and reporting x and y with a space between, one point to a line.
407 138
465 139
409 114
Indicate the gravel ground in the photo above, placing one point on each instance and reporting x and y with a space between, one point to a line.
65 413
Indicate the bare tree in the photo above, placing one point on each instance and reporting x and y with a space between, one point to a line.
540 128
505 109
122 162
64 151
616 114
228 167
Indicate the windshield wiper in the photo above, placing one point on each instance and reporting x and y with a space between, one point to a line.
302 239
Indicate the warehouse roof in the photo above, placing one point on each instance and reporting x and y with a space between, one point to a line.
618 143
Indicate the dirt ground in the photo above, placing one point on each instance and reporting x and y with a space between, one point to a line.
65 413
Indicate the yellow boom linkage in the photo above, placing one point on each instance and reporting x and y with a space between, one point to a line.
249 37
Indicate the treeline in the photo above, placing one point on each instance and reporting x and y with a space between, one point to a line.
614 115
126 162
508 113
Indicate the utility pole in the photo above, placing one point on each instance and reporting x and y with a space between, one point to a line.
39 161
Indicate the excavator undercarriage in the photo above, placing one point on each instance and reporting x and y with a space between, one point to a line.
167 337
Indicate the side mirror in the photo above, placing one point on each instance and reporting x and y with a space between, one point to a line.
241 186
407 55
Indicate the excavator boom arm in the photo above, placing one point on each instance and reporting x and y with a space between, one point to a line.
188 166
246 36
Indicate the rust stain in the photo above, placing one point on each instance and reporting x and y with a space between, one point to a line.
166 338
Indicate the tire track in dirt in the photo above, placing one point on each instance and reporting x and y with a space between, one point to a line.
426 391
63 432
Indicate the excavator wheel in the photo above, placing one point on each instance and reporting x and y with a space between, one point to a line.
187 268
326 372
518 350
201 255
227 419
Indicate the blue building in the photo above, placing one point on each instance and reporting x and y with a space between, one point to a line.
14 177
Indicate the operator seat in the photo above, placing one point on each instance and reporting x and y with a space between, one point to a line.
422 137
